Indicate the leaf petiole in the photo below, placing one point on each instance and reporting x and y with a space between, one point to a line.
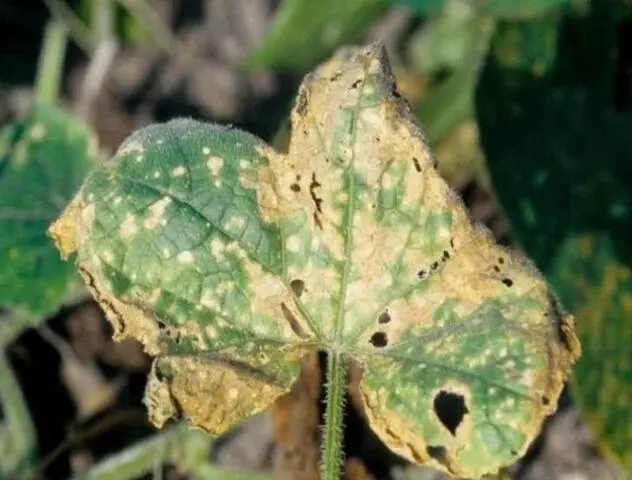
331 455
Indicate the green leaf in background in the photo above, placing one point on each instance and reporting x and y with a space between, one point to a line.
305 32
500 8
43 160
18 440
230 262
555 111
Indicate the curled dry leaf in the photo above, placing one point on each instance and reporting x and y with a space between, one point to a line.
230 262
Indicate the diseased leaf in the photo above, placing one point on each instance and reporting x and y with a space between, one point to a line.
43 160
231 261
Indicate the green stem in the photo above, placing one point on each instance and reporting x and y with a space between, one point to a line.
331 461
51 62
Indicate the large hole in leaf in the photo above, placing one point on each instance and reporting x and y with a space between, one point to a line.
379 339
450 409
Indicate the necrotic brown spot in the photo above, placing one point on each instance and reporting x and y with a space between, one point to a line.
379 339
295 187
417 165
384 317
291 319
450 409
507 281
297 285
421 274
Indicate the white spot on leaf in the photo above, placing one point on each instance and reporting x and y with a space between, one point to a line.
179 171
185 257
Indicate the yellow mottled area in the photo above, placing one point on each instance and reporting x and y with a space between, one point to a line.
71 229
211 395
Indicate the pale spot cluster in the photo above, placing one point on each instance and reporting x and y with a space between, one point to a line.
128 227
156 212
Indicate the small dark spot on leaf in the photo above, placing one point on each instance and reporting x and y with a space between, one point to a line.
161 325
335 76
514 452
450 409
417 165
446 255
496 268
501 260
355 84
298 177
451 243
545 400
295 187
421 274
439 453
507 281
379 339
384 317
297 285
434 265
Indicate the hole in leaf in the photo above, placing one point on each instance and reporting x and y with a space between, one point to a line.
291 319
450 409
295 187
379 339
439 453
298 286
384 317
507 281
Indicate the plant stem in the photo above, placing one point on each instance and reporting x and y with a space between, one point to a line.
51 62
331 459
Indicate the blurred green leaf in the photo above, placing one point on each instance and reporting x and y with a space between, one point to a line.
555 114
500 8
305 32
43 160
18 443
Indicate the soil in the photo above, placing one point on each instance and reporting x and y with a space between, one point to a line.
83 390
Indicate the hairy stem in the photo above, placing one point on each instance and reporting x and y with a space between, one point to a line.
51 62
331 459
